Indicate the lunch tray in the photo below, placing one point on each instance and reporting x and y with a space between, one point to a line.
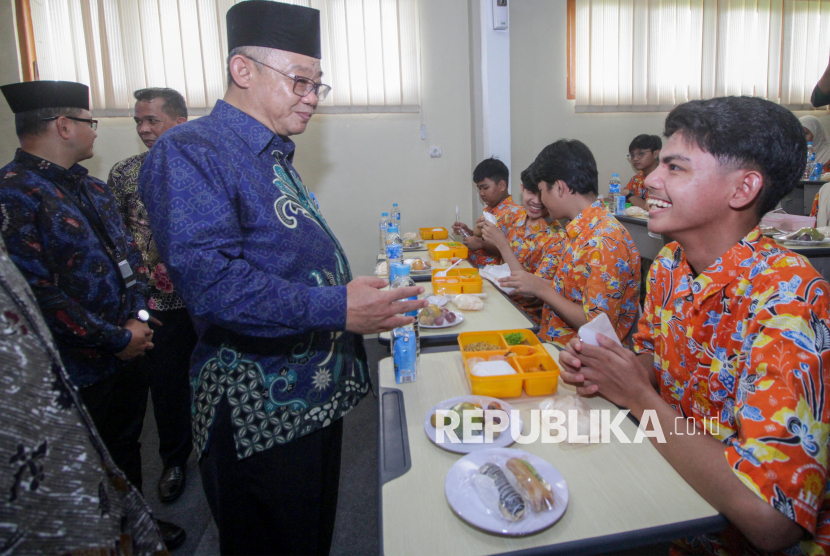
457 280
461 251
437 232
523 358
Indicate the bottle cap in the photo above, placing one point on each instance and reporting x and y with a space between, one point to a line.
615 175
394 204
384 214
402 270
809 144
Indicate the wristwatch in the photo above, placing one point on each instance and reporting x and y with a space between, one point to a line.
143 315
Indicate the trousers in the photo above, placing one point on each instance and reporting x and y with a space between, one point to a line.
279 501
117 405
168 365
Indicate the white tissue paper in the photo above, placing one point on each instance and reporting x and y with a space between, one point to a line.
493 368
568 403
439 300
491 218
638 212
493 272
600 325
468 302
442 247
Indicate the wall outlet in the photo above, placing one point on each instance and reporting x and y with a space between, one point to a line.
435 152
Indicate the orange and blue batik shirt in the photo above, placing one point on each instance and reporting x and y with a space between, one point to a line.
532 243
744 350
481 258
599 268
637 186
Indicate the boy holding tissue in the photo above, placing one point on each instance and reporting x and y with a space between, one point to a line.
734 334
599 267
490 177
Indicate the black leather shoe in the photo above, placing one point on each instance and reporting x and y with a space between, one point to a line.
171 483
172 535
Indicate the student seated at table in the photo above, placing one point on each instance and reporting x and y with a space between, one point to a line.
599 269
529 242
734 334
644 155
490 176
821 206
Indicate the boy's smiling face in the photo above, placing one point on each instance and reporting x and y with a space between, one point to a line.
490 192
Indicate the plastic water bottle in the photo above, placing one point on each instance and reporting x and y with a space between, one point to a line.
815 175
614 193
396 215
394 250
384 225
406 340
811 158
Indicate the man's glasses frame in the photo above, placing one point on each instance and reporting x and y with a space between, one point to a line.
92 123
302 85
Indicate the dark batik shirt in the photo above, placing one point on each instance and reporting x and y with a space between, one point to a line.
71 272
61 492
263 276
123 181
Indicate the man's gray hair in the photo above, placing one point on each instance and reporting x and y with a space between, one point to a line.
174 104
255 53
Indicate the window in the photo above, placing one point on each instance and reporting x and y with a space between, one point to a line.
651 55
370 50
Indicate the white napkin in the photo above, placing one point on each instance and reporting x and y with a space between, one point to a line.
491 218
493 368
600 325
493 272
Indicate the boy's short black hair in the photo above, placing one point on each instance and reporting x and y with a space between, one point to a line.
527 180
492 168
174 104
746 132
646 142
571 161
31 122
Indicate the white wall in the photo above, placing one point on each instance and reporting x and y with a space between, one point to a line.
359 164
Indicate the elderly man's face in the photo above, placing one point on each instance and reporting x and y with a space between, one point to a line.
287 113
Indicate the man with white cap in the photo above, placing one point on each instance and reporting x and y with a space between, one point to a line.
280 358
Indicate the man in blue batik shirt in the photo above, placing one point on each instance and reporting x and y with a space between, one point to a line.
280 358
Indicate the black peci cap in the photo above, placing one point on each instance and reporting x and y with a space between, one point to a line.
274 25
34 95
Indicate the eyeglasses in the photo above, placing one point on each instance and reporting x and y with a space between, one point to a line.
303 85
637 154
92 123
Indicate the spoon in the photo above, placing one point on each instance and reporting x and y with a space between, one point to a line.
443 273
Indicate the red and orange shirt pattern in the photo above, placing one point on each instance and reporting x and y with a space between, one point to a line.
481 258
743 349
599 268
637 185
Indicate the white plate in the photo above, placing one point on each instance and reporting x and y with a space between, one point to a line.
416 247
459 318
503 440
413 272
467 505
801 243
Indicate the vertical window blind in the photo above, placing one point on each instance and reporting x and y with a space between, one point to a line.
370 50
651 55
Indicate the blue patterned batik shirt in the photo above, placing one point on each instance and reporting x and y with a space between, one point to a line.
70 270
263 276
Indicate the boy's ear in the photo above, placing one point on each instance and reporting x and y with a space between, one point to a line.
502 184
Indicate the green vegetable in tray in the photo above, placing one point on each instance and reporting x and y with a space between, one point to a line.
514 339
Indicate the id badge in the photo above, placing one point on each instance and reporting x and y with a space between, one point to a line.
126 273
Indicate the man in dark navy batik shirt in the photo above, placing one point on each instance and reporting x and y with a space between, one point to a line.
63 230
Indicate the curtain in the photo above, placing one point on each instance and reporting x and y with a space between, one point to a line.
651 55
370 50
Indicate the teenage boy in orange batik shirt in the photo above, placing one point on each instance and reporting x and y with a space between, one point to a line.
734 335
644 155
490 176
531 244
599 270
